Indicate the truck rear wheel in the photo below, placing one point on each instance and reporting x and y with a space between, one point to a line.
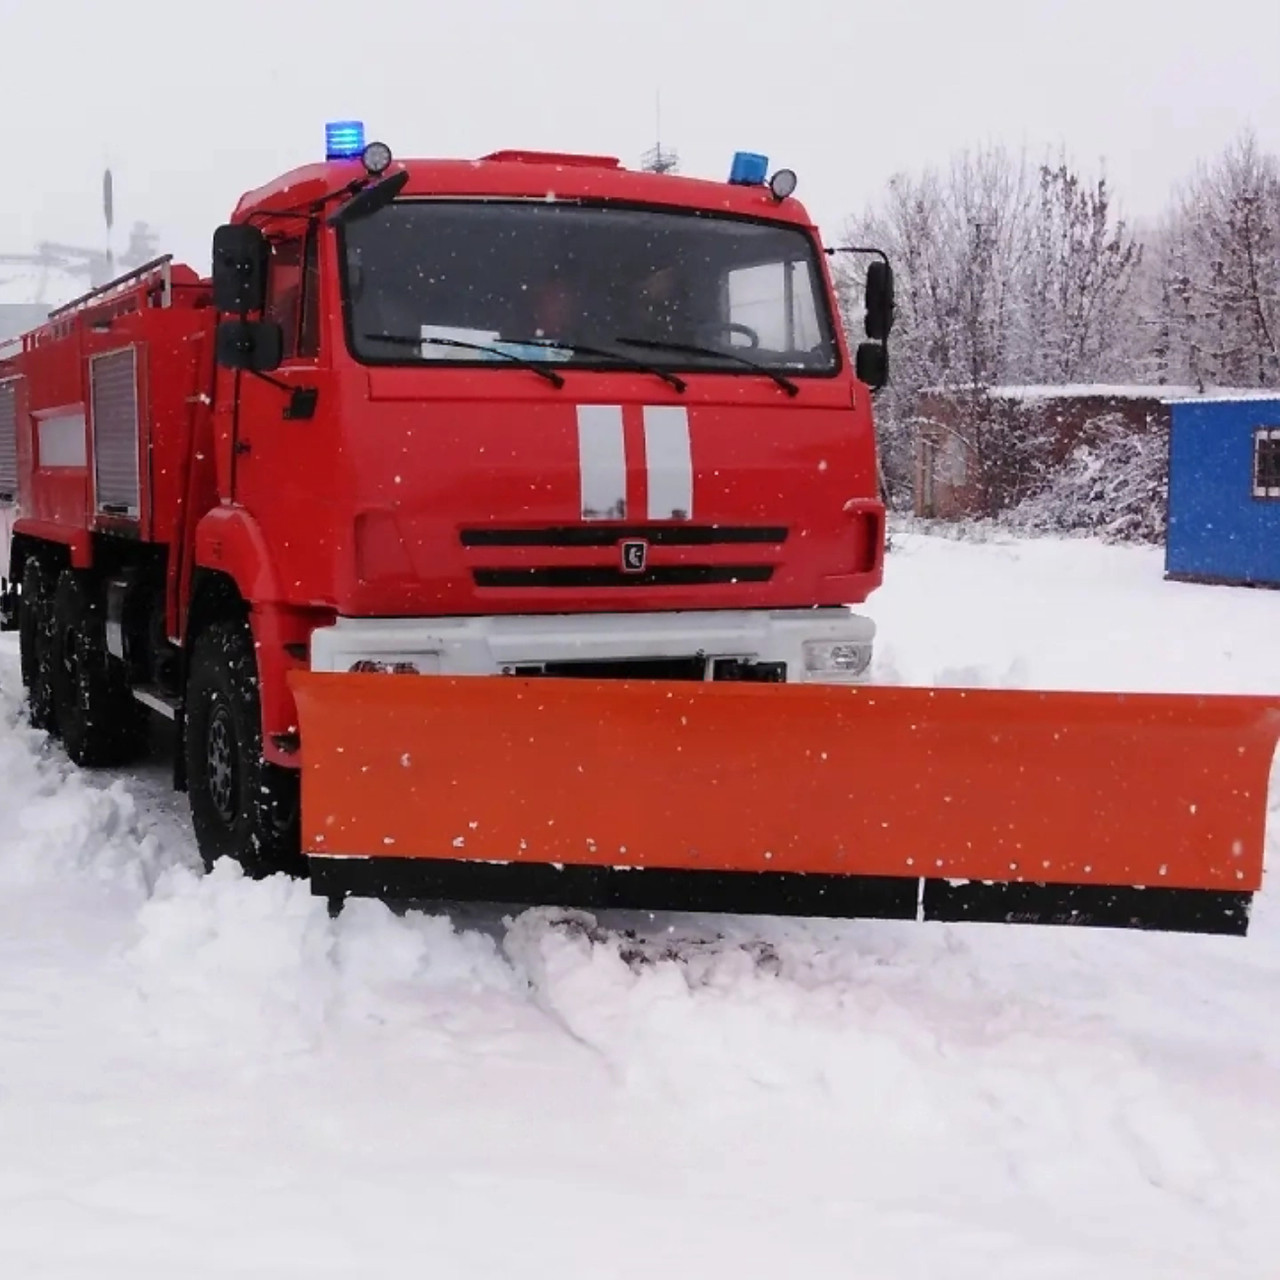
242 806
35 643
100 723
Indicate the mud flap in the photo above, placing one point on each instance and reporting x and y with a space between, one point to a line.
1130 810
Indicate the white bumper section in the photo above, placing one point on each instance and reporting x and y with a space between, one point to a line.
827 645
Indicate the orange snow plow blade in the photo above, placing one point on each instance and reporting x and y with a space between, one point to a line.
1126 810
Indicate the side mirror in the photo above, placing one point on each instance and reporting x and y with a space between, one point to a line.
871 364
255 346
240 257
879 301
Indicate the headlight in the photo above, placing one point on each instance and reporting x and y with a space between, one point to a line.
841 659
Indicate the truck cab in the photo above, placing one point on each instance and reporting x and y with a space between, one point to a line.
538 412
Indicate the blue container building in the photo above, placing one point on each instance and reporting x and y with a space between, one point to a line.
1224 490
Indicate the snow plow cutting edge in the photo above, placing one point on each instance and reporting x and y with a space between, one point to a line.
1109 809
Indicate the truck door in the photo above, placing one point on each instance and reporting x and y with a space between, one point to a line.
277 463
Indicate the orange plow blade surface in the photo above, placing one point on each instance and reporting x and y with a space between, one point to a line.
1140 810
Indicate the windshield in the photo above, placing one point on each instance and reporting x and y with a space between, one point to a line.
515 274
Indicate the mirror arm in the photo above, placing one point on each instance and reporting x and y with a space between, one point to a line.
832 250
266 377
302 400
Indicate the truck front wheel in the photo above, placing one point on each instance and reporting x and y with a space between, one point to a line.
242 806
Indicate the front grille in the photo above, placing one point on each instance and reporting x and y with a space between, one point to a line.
672 575
618 669
658 535
690 668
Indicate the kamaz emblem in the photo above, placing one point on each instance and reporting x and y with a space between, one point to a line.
635 555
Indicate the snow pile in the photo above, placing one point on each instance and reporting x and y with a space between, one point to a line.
60 822
1064 613
207 1076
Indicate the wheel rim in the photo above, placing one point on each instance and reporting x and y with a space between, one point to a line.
221 755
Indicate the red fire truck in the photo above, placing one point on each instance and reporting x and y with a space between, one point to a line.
593 434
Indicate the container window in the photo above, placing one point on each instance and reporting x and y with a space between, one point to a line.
1266 462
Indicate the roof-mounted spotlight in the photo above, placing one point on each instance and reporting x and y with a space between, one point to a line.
783 183
376 158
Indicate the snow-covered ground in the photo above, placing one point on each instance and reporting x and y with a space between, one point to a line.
202 1076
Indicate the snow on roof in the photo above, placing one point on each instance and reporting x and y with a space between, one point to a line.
1229 396
1090 391
1070 391
1162 392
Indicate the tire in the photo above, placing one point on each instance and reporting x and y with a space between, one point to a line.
35 644
100 722
242 806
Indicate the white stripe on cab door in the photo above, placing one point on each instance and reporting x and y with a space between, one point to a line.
602 462
669 462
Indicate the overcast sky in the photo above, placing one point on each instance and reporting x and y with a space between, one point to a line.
193 101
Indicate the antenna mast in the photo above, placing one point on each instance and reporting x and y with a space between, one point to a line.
657 159
109 217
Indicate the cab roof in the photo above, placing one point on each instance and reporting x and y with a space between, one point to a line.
528 174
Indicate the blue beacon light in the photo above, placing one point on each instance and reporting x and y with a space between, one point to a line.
749 169
343 139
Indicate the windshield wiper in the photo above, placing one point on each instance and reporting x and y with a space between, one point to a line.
661 344
408 340
583 349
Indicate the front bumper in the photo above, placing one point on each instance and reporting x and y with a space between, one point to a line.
825 645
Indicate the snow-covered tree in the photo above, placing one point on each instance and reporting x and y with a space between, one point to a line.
1214 309
1011 273
957 240
1079 274
1005 274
